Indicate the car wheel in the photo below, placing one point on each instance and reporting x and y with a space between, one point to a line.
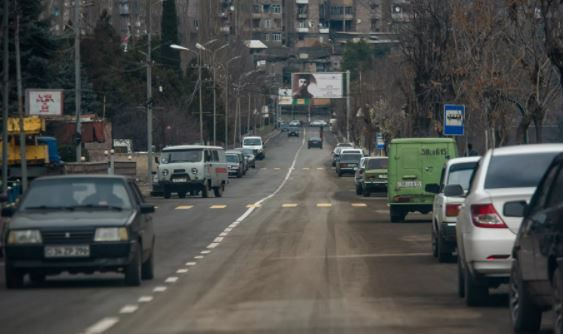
204 191
397 215
339 174
218 191
37 278
524 314
133 270
167 194
365 192
443 251
557 302
333 164
358 189
147 271
476 293
434 244
239 174
460 281
14 277
182 194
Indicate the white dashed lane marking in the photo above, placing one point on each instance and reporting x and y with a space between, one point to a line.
182 271
102 325
324 205
160 289
217 206
128 309
184 207
145 299
289 205
191 264
171 279
359 205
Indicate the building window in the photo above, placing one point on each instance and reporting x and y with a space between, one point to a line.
276 37
349 11
302 9
374 25
196 23
267 23
266 37
276 9
256 23
266 8
336 10
303 24
256 8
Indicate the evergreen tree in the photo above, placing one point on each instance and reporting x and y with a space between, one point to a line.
169 32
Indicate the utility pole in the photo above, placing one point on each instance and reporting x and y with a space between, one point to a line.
200 99
23 158
237 108
227 106
6 69
348 106
77 81
249 113
149 94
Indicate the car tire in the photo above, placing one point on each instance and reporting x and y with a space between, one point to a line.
444 253
133 271
460 281
475 293
339 174
434 244
218 191
37 278
397 215
147 270
333 164
14 277
167 194
182 194
525 316
239 174
205 191
365 192
557 289
358 189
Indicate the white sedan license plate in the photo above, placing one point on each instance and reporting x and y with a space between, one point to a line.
410 184
180 180
67 251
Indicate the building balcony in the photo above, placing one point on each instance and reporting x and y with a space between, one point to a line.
302 2
302 15
324 30
301 29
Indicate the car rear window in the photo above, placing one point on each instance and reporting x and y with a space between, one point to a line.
350 157
517 170
377 164
232 158
461 174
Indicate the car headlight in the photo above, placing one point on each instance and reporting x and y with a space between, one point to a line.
24 237
111 234
194 170
165 172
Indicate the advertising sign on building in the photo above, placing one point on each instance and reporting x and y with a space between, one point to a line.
454 119
44 102
285 98
317 85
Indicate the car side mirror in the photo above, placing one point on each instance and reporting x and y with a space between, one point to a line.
147 208
432 188
515 209
454 190
8 211
157 160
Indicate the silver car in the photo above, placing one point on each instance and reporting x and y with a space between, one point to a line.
484 234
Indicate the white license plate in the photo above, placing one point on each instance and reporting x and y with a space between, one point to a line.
382 176
180 180
67 251
409 184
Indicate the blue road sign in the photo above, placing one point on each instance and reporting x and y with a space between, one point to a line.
379 142
454 119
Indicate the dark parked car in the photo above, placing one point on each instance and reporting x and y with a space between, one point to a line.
348 162
79 224
293 131
235 164
536 281
251 158
315 142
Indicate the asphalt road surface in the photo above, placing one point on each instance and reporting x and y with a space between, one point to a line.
290 248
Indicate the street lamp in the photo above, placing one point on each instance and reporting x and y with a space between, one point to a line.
201 48
226 67
238 113
215 93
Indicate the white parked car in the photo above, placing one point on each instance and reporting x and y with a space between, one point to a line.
446 208
484 234
256 144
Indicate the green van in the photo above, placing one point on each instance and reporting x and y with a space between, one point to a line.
414 163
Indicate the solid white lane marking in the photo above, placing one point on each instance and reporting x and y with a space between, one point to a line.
199 257
217 206
324 205
359 205
353 256
289 205
145 299
160 289
213 245
235 224
182 271
218 239
223 234
102 325
205 252
128 309
171 279
184 207
228 229
191 264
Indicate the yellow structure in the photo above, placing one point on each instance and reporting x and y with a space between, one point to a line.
36 154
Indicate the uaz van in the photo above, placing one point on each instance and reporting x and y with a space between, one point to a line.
414 163
193 169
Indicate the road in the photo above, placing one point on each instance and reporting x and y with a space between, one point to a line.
289 249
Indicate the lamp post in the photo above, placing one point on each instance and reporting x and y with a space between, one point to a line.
227 99
215 93
238 113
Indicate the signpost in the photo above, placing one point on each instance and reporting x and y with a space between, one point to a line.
454 120
44 102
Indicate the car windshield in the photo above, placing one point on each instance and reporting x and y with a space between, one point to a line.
315 139
461 174
345 145
193 155
247 151
377 164
517 170
350 157
76 193
232 158
252 141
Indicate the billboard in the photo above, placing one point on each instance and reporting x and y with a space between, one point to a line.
317 85
44 102
284 97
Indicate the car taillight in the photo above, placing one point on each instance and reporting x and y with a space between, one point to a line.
452 210
485 215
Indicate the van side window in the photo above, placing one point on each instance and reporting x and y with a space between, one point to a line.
556 193
215 156
207 156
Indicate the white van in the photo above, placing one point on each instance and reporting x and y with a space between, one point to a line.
193 169
256 144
